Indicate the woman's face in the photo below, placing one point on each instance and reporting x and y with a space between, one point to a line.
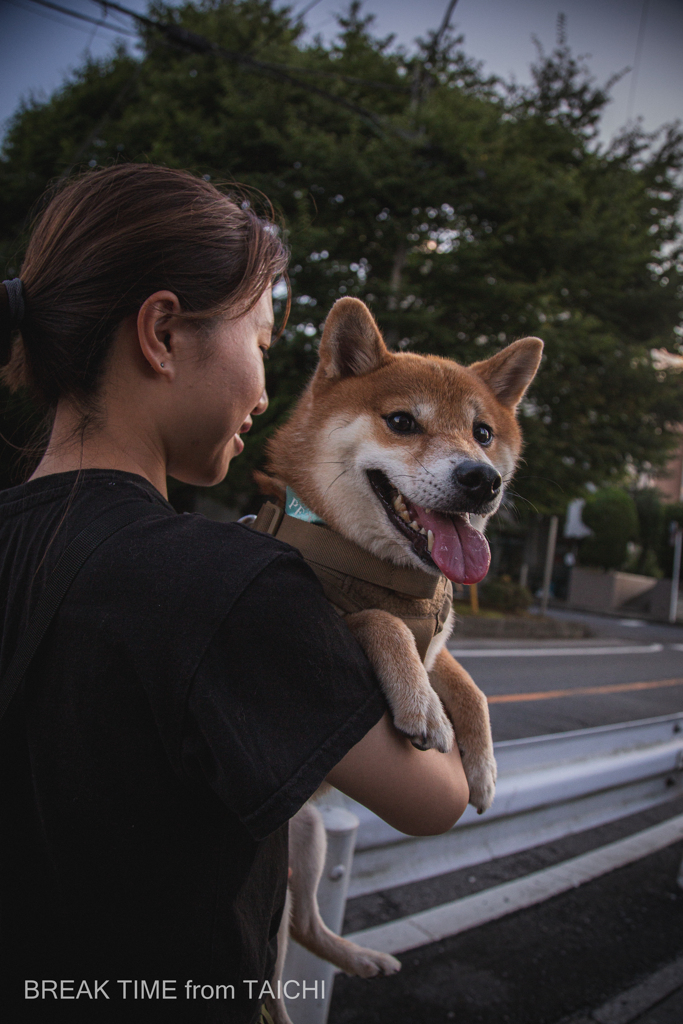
222 387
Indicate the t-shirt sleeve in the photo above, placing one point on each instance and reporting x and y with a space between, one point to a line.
281 694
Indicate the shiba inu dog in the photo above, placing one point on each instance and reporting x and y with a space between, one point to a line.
403 457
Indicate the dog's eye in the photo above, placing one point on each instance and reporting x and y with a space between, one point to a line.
402 423
482 433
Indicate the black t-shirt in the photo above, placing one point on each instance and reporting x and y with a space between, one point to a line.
193 691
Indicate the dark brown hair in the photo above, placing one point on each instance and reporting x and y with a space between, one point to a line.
110 238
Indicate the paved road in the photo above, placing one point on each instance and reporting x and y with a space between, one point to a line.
573 958
570 955
629 670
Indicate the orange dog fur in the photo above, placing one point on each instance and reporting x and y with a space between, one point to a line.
377 431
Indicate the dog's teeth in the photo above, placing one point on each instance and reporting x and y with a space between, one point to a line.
423 531
430 541
413 525
428 510
404 515
398 504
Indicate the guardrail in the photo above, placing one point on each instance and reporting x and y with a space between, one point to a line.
548 787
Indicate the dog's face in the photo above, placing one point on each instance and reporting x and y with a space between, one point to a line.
398 452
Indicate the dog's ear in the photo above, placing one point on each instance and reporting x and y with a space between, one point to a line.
351 345
510 372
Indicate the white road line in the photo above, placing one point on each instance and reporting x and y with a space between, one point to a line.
472 911
554 652
677 647
630 1005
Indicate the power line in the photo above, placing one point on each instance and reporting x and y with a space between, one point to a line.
422 82
307 8
636 63
21 5
84 17
195 43
200 44
445 24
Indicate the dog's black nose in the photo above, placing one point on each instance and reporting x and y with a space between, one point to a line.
480 481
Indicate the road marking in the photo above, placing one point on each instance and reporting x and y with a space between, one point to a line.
480 908
629 1006
677 647
581 691
555 652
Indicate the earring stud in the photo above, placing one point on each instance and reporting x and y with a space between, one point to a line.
161 364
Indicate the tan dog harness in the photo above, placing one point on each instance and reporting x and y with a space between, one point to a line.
354 579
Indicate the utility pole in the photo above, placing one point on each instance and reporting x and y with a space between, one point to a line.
678 543
549 560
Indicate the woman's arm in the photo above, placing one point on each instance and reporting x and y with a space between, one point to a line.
419 792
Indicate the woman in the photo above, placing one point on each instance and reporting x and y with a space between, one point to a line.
195 687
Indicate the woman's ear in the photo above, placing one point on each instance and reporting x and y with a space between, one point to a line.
510 372
351 344
158 331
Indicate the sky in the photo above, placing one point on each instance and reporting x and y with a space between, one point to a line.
38 47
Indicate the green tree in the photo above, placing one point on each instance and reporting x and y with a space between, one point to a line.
466 213
611 515
650 525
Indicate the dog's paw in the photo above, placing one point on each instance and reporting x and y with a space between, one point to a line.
481 777
426 724
368 963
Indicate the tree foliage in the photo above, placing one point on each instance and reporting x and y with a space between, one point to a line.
650 526
465 212
612 516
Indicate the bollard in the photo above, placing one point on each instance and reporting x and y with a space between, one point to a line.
341 827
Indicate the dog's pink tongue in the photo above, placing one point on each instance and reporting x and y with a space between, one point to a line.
461 552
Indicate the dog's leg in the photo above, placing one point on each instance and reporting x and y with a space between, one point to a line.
415 707
469 711
276 1006
307 847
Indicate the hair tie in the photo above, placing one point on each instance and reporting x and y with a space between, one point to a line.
16 308
15 294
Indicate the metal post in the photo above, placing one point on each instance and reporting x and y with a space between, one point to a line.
673 601
549 560
341 827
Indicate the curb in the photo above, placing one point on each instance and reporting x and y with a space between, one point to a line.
468 912
532 627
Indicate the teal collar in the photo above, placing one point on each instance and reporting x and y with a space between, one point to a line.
297 510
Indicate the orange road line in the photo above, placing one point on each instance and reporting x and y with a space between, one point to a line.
580 691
